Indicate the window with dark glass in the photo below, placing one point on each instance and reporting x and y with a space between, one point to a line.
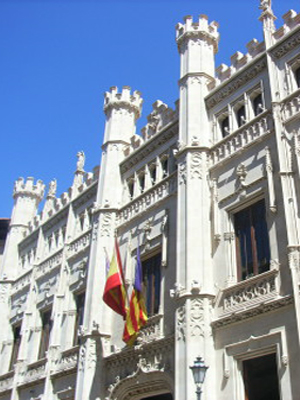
131 189
261 378
142 182
252 241
241 116
257 104
225 126
46 331
16 346
153 174
297 76
151 280
79 299
165 166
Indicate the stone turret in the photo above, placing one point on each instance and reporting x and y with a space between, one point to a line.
27 197
197 45
122 110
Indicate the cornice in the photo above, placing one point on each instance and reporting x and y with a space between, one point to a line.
239 79
167 133
236 317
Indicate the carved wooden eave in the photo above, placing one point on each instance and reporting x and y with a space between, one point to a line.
238 79
286 44
263 308
168 132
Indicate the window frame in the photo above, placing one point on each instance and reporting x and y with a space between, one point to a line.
152 297
244 269
45 334
16 346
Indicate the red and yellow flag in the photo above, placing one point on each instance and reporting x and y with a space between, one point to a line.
136 314
114 292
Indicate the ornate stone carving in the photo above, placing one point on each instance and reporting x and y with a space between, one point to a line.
197 317
80 161
159 117
270 178
106 224
289 44
252 291
181 323
196 165
182 172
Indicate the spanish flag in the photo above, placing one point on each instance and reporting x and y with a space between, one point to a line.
136 314
114 292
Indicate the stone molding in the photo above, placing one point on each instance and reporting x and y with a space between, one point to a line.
260 309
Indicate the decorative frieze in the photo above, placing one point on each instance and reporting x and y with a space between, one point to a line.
289 44
245 136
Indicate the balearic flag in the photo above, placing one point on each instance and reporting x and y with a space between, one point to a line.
136 314
114 292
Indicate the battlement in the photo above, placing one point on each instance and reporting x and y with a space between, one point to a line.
28 188
124 99
200 29
239 60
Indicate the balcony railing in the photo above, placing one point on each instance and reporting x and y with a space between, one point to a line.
242 138
253 291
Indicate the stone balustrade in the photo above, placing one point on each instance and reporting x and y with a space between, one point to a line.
291 106
253 291
152 330
243 137
151 197
79 244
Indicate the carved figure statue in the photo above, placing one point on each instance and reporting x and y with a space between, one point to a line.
265 5
80 161
52 188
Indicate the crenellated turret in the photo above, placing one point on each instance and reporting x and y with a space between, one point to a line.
197 44
122 110
27 197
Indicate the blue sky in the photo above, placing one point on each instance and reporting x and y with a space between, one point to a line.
58 58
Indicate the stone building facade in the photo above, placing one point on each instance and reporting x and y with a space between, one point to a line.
211 190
